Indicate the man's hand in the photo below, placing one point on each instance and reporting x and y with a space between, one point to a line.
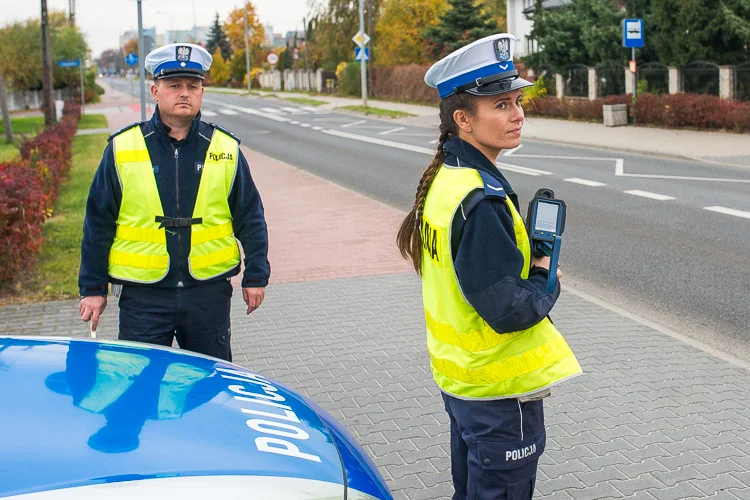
91 308
253 297
544 263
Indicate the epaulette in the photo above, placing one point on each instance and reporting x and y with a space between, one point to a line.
123 129
226 131
492 187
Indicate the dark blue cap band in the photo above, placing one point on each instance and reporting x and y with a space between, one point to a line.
447 87
178 65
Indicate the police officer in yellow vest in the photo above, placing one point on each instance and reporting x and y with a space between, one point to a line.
171 198
493 351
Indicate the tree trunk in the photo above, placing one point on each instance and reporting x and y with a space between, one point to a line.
6 115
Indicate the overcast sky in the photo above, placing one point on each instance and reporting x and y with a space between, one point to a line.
102 21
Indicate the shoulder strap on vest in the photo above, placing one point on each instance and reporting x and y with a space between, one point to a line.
226 131
492 187
459 219
136 124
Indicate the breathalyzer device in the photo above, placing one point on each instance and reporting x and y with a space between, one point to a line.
545 223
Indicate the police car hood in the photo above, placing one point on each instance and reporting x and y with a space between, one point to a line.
78 414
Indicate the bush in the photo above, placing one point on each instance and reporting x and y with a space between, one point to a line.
692 110
572 108
404 83
349 76
28 187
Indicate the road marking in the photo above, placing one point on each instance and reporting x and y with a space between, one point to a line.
646 194
225 111
294 122
434 141
306 125
272 111
314 110
380 142
332 119
729 211
390 131
351 124
511 151
206 112
523 170
294 111
317 128
585 182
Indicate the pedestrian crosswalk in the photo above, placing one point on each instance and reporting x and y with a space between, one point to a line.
281 111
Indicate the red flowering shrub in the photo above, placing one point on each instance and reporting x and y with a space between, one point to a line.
403 83
692 110
28 186
572 108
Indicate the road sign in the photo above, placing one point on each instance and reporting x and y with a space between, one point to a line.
632 33
358 54
69 64
272 58
361 38
131 59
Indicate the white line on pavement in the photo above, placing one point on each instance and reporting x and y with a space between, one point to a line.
381 142
306 125
317 128
390 131
294 122
646 194
585 182
294 111
729 211
351 124
511 151
206 112
272 111
314 110
523 170
434 141
224 111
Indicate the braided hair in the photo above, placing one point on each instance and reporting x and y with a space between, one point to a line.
409 237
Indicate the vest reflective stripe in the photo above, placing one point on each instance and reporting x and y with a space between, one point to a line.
468 359
213 249
139 251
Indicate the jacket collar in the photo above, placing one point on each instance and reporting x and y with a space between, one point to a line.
164 129
463 152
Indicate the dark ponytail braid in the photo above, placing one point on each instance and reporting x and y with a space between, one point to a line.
409 237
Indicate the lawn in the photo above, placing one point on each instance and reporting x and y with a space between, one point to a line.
56 273
93 121
27 126
369 110
305 101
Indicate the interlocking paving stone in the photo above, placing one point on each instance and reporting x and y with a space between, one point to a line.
651 418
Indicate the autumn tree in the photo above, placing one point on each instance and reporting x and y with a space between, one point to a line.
462 23
400 30
217 39
234 27
220 69
334 27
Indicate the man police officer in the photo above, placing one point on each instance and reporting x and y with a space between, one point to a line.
167 205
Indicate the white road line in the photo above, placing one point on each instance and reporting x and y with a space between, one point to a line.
511 151
351 124
306 125
273 111
206 112
314 110
435 141
646 194
381 142
390 131
294 122
317 128
729 211
523 170
585 182
294 111
225 111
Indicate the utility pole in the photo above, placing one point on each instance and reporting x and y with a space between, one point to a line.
371 32
247 52
72 17
363 62
6 115
49 105
141 57
307 54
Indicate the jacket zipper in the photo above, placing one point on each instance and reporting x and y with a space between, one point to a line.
177 198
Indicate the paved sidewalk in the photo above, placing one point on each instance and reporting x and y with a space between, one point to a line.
723 147
651 418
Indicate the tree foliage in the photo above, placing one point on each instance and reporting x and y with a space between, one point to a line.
217 39
220 69
400 30
333 28
584 32
462 23
234 27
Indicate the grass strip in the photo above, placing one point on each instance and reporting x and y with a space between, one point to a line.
369 110
305 101
93 121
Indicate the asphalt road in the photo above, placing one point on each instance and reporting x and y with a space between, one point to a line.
665 239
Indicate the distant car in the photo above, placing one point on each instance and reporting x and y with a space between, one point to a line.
85 419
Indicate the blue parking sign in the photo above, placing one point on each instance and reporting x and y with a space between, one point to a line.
632 33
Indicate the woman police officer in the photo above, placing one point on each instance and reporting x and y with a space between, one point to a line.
493 351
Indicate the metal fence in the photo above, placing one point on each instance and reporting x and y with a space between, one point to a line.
656 76
701 77
610 80
742 82
577 81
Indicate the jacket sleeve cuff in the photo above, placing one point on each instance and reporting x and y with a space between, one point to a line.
254 283
100 291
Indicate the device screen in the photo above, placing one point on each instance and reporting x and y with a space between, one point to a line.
546 217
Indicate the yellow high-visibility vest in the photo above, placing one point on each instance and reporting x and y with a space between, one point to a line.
139 251
468 358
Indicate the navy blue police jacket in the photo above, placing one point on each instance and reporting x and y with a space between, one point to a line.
177 168
487 261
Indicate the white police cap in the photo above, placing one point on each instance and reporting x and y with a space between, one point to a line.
484 67
178 59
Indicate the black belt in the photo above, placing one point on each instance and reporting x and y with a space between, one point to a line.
178 221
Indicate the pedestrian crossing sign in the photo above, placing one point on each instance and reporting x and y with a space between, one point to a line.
358 54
